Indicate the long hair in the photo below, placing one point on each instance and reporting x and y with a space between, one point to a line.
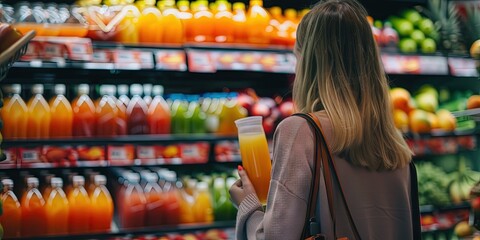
339 70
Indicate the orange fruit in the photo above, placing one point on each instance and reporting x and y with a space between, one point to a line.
400 119
401 99
419 121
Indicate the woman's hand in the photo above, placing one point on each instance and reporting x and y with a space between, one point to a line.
241 188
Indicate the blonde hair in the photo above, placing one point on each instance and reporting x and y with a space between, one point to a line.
339 70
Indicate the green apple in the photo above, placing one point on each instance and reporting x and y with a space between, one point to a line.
428 46
417 36
427 102
408 45
426 26
411 15
404 27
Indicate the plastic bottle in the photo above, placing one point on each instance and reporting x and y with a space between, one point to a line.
147 93
127 28
56 208
223 22
122 91
79 202
150 25
173 32
11 217
101 206
258 21
179 123
290 26
231 210
122 110
154 209
14 115
61 114
34 218
202 23
172 198
240 23
38 124
212 121
186 16
83 113
203 207
137 112
228 113
196 118
275 25
108 117
188 194
132 213
159 121
220 197
47 185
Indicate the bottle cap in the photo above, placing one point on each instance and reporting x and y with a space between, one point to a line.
151 177
32 182
147 89
37 89
157 90
238 6
133 177
202 186
57 182
103 90
111 89
60 89
136 89
83 89
122 89
290 13
16 88
78 180
100 180
7 183
256 3
275 11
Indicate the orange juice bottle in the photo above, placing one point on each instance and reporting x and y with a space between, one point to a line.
172 199
137 112
258 21
11 218
34 218
154 200
187 203
186 16
38 124
203 207
47 186
173 32
290 26
79 202
150 25
275 25
159 121
101 211
255 154
127 29
56 208
83 113
202 23
122 111
61 114
223 22
132 213
109 119
228 113
240 23
14 115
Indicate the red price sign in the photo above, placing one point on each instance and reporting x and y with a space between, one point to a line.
127 59
120 155
200 61
171 60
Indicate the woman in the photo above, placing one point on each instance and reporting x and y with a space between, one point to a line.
340 78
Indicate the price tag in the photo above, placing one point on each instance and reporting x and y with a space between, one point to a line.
120 155
200 61
463 67
127 59
52 50
146 152
33 50
194 153
30 155
11 158
398 64
433 65
146 60
101 56
171 60
226 60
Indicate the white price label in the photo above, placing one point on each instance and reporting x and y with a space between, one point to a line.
117 153
30 156
146 152
53 50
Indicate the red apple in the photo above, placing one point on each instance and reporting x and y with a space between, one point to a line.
286 109
245 101
476 204
8 36
260 109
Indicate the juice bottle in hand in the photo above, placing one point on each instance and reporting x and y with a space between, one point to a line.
101 213
34 218
239 23
62 114
173 32
14 114
83 113
137 112
159 113
258 21
223 22
11 217
38 124
132 211
203 207
79 202
56 208
255 154
150 25
154 201
202 23
186 16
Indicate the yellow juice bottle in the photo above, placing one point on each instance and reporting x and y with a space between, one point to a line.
255 154
203 207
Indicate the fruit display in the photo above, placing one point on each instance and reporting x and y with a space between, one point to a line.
429 109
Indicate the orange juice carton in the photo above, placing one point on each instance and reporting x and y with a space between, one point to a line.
59 156
10 161
91 156
194 152
31 157
120 154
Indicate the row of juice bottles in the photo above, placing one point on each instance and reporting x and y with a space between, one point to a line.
142 199
115 114
167 21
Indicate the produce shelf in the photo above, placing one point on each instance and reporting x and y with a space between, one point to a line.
430 208
184 228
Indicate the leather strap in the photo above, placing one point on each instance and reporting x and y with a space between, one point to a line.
417 229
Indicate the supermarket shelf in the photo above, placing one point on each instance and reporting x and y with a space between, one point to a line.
430 208
130 139
184 228
440 133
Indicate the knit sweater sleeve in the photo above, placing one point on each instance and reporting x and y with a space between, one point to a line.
284 215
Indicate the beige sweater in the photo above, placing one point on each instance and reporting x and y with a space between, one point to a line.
379 201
